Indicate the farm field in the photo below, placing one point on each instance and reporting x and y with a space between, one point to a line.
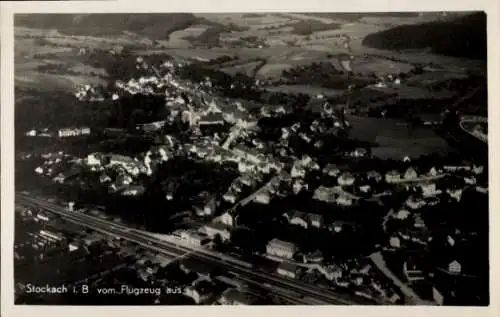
395 139
308 90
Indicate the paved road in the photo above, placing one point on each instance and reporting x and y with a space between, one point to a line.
110 228
474 120
379 261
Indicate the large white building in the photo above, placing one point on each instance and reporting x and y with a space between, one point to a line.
281 248
69 132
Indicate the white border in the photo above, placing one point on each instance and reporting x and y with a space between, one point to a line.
7 150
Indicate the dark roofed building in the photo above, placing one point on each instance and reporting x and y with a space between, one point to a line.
212 119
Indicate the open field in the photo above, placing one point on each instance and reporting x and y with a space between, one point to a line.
411 92
395 139
308 90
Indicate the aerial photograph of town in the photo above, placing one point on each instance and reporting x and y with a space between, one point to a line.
251 159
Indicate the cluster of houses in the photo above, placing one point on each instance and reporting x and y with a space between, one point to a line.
88 93
361 276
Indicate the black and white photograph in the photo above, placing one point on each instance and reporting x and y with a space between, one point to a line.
253 158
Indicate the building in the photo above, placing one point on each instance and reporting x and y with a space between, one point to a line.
263 197
331 272
298 170
248 154
299 219
346 179
402 214
94 159
288 269
228 219
455 267
69 132
331 170
410 174
429 189
281 248
412 272
455 193
121 160
52 236
395 242
229 197
392 176
415 203
344 200
233 296
314 257
213 229
316 220
194 238
360 152
42 216
211 119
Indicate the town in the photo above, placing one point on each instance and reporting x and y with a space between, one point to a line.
194 187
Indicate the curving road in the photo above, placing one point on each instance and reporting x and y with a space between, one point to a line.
473 120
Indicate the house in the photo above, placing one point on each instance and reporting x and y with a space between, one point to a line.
392 177
455 267
194 238
229 197
104 178
395 242
344 200
346 179
31 133
69 132
247 180
249 154
298 170
210 206
233 296
337 226
211 119
360 152
213 229
402 214
433 172
331 272
314 257
418 221
51 236
228 219
299 219
365 189
470 180
415 203
413 272
478 169
316 220
298 185
410 174
429 189
263 197
281 248
200 291
288 269
134 190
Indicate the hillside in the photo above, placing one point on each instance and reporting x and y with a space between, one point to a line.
461 37
152 25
